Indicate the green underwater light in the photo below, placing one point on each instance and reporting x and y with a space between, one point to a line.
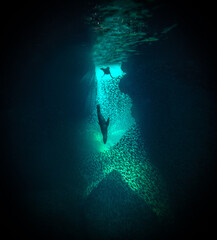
124 151
114 104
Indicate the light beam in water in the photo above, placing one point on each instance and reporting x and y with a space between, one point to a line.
124 150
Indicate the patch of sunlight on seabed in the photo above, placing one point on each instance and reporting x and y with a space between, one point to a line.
124 151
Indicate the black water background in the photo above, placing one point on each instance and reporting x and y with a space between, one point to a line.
46 52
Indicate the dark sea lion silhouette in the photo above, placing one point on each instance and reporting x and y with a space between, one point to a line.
106 71
103 124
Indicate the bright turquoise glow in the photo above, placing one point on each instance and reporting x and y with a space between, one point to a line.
115 70
114 104
124 150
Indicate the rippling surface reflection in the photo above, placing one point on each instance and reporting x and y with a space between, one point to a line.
121 26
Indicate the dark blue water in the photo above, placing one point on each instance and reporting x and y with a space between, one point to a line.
46 51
